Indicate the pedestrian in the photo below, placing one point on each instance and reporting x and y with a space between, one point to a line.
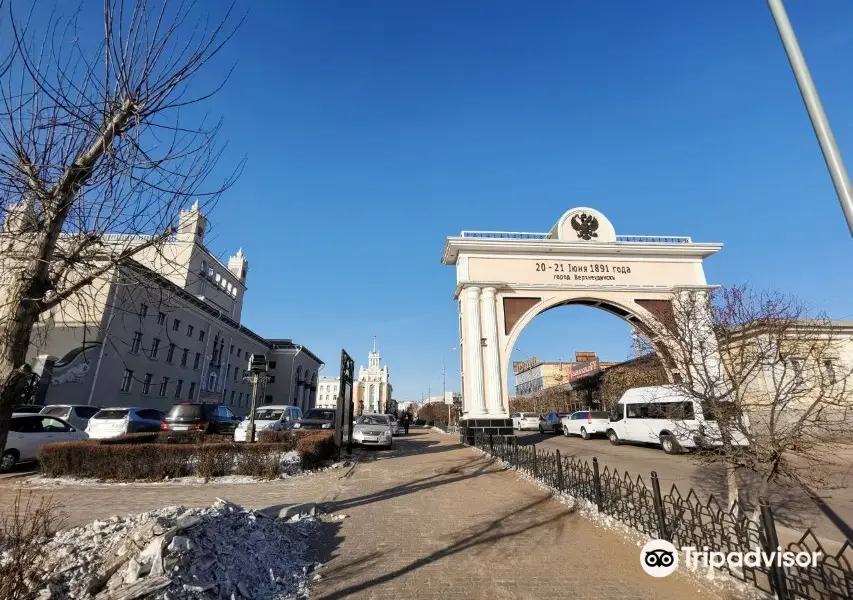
406 423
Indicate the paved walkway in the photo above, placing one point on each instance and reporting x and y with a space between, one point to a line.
432 520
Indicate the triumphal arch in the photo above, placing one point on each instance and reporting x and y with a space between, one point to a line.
505 279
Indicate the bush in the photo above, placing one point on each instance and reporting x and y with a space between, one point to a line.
145 461
286 438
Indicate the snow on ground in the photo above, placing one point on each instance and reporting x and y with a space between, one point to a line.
176 553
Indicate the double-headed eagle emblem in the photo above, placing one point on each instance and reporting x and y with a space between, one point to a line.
586 226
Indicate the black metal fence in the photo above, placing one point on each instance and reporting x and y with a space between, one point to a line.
685 520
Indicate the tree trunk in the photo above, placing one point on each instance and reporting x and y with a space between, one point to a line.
735 492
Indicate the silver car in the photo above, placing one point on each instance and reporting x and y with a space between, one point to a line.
373 430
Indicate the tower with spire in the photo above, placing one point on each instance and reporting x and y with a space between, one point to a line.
373 390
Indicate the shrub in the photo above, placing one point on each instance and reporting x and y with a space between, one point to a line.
23 531
145 461
286 438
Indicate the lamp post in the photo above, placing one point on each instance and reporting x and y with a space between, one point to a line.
257 371
820 123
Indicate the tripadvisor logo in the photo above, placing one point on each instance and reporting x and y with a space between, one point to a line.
659 558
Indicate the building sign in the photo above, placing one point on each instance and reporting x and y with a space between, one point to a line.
582 370
518 367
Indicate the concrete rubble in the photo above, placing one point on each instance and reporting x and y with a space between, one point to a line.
174 553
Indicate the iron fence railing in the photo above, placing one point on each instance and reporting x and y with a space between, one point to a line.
685 520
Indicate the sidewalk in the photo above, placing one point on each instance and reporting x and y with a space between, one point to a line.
433 519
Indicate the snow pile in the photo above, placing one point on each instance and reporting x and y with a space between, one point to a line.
176 553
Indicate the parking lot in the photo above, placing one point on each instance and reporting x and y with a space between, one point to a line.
793 507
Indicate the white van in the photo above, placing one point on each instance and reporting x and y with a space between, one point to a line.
664 415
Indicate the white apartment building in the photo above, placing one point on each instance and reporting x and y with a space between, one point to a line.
166 328
327 391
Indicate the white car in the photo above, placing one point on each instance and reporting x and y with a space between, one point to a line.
28 433
269 418
373 430
395 426
113 422
664 415
525 420
76 414
586 423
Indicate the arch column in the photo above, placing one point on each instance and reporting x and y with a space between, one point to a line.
473 397
491 354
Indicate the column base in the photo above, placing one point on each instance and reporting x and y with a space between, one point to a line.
470 427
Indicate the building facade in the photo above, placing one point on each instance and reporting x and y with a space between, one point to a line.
372 390
534 375
165 328
327 393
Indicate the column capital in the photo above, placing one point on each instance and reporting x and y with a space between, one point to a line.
472 292
490 291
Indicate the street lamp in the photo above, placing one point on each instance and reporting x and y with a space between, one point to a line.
257 371
820 123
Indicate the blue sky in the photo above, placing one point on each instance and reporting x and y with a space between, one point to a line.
375 129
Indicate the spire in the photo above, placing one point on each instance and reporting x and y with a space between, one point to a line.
374 343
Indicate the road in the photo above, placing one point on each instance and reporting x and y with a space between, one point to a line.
792 507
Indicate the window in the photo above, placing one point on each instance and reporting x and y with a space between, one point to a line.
161 318
211 383
178 387
267 399
232 396
235 373
271 364
143 310
192 390
797 366
137 341
271 379
218 278
189 330
146 384
184 357
155 347
170 353
150 414
231 351
201 335
126 380
176 324
238 352
163 386
51 425
240 399
197 360
203 268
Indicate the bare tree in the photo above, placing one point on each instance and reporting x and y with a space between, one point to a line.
771 381
101 145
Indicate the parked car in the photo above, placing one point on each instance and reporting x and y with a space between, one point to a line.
32 409
395 426
269 418
665 416
316 418
29 432
76 414
525 420
206 417
586 423
373 430
551 422
113 422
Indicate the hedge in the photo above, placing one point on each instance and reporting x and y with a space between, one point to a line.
133 458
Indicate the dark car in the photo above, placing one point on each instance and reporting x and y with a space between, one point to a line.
317 418
551 422
206 417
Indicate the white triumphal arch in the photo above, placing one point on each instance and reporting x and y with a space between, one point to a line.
505 279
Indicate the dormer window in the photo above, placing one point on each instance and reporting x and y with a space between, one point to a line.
203 267
218 278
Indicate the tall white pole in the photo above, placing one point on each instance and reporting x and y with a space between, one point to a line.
820 123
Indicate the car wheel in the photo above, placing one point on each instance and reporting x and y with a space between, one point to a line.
7 463
614 439
584 433
669 445
565 431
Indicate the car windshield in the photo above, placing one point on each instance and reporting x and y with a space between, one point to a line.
191 411
316 413
55 411
600 414
562 414
111 413
372 420
268 414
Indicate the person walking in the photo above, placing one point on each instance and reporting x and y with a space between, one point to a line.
406 423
